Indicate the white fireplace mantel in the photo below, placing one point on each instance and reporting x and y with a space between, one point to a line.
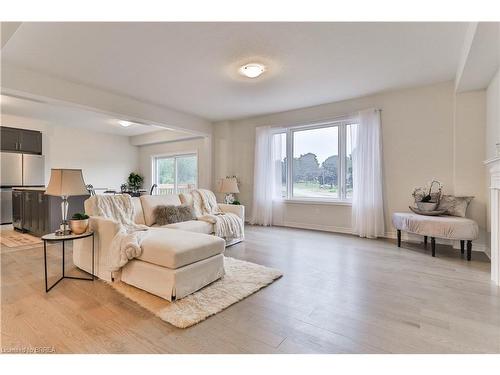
494 169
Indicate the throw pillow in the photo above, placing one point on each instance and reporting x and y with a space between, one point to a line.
173 214
454 206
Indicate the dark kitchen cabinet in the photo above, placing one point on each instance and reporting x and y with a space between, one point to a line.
21 140
43 223
39 214
10 138
27 210
17 209
30 142
36 213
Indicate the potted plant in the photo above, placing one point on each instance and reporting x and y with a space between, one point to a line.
425 198
135 182
79 223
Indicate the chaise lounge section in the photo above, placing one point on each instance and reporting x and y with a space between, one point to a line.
173 264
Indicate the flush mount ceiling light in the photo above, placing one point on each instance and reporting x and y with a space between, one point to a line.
252 70
125 124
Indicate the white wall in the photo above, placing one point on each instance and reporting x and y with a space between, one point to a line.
201 146
492 129
106 160
493 116
469 145
418 144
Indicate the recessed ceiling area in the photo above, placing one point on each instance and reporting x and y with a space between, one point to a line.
70 116
192 67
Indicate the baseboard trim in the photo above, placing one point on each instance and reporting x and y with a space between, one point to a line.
416 238
406 237
233 242
323 228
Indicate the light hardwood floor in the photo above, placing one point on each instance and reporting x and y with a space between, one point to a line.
339 294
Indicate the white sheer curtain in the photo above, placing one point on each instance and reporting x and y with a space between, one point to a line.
367 196
267 174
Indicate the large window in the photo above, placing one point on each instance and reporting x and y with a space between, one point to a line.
175 174
315 162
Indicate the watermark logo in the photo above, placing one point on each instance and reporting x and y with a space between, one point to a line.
29 350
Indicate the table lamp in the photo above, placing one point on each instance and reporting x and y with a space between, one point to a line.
228 186
65 183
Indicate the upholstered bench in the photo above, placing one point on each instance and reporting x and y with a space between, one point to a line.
447 227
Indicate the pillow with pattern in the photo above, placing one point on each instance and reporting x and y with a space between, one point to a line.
173 214
454 206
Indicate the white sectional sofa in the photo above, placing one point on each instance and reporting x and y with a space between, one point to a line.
177 259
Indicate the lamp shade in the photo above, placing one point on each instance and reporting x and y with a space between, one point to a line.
228 185
66 182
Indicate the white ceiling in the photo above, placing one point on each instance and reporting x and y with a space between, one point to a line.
70 116
481 58
192 67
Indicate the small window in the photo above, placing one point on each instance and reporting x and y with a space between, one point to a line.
175 174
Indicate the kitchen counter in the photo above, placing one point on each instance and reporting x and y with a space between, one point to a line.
33 188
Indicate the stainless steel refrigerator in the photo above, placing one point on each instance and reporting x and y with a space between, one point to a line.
18 170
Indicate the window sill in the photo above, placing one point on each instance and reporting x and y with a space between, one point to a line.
318 202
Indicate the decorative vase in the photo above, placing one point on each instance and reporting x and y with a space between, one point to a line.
79 226
427 206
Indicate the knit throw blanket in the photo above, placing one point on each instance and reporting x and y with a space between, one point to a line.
227 225
126 244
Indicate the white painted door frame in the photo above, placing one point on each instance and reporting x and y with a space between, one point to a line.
494 169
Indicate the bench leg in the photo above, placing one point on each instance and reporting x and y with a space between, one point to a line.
425 242
399 238
462 246
469 250
433 246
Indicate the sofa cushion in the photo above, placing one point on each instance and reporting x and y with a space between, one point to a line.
150 202
186 198
89 206
91 209
198 226
138 214
173 214
172 248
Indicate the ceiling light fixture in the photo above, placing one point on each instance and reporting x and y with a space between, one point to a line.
125 124
252 70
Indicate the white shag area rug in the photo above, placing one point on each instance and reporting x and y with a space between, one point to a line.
241 280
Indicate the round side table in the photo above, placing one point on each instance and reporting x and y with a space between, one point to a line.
52 237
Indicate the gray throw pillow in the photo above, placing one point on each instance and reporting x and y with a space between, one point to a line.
173 214
454 206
